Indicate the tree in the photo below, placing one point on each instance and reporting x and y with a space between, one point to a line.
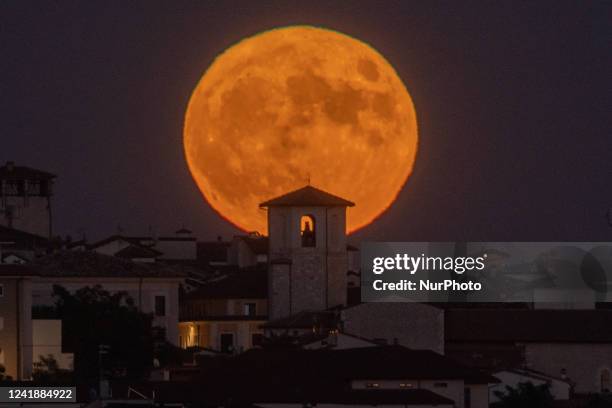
525 395
3 376
47 370
106 332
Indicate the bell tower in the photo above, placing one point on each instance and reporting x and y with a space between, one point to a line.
307 256
25 199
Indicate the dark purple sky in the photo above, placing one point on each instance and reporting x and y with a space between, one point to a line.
513 102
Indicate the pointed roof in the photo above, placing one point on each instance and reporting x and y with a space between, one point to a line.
308 196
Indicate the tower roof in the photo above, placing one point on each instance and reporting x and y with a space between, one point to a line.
11 172
308 196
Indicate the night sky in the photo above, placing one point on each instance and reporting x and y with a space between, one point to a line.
513 101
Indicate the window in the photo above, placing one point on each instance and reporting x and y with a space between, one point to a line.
307 231
250 309
372 385
160 305
406 385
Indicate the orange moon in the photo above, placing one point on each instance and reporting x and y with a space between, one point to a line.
295 104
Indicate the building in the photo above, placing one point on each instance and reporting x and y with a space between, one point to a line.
19 247
574 345
180 247
248 250
226 313
307 251
25 199
391 376
16 321
560 388
153 287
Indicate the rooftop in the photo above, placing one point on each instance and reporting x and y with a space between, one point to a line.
247 283
537 326
11 172
308 196
93 264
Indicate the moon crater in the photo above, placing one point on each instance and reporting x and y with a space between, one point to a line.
294 104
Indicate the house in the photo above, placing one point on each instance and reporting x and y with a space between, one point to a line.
154 287
365 376
575 345
17 246
182 246
414 325
248 250
16 320
225 313
560 388
213 253
25 199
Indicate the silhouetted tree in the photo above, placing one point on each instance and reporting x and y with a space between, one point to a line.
3 376
525 395
93 317
47 370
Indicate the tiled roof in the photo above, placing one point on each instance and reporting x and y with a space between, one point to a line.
305 320
245 393
93 264
571 326
17 239
365 363
137 251
307 197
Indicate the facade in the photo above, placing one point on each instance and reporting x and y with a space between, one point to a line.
414 325
307 251
559 388
16 321
248 250
25 199
47 341
226 313
154 288
574 345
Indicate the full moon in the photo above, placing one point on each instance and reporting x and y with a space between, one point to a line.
299 105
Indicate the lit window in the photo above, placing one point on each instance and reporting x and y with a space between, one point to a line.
405 385
307 231
372 385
